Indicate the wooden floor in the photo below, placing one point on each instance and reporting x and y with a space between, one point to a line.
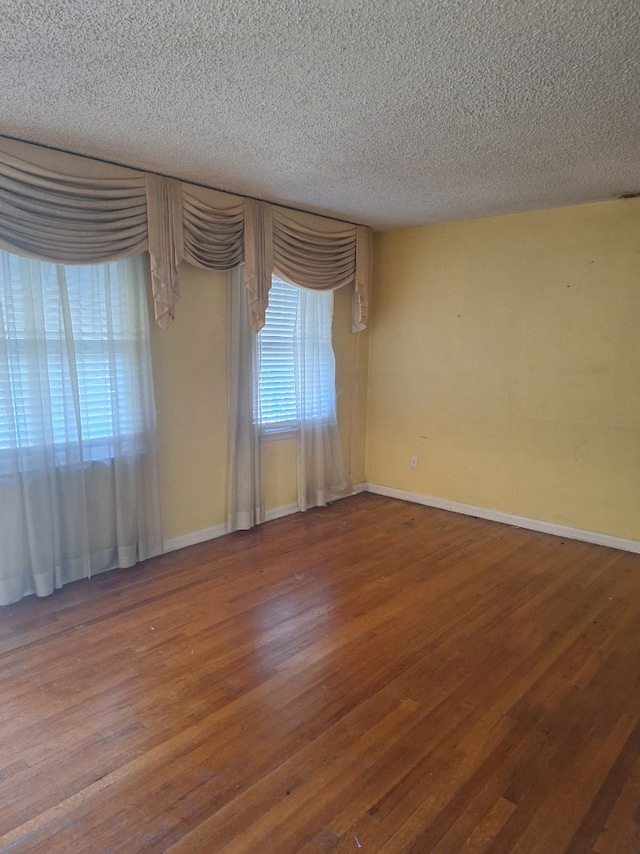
375 676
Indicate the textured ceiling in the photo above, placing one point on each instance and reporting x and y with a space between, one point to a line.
386 112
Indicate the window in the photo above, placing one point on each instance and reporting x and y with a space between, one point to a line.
73 345
295 382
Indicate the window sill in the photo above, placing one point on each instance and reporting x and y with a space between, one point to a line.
274 432
290 428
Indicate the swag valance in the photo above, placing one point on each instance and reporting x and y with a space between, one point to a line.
69 209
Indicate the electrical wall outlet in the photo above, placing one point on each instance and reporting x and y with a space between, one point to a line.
413 462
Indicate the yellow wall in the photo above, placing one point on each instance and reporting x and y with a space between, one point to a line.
505 354
190 377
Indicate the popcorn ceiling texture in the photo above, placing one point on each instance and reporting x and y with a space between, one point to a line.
379 111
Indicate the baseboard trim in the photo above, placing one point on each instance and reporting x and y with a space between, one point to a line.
215 531
279 512
205 534
509 518
195 537
201 536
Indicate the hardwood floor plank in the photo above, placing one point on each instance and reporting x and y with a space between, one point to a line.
595 830
373 673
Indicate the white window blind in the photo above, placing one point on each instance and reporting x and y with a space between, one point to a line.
69 334
291 386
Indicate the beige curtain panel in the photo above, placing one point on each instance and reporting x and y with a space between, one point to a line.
165 244
258 258
69 209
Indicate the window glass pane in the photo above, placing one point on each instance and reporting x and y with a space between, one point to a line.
69 340
296 374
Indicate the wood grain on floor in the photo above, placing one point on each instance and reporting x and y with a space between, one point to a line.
374 676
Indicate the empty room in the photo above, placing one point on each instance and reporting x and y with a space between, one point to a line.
320 426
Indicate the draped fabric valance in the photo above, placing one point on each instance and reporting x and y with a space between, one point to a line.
70 209
322 253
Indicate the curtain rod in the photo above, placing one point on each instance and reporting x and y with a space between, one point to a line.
175 177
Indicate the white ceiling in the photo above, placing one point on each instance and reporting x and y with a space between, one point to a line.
386 112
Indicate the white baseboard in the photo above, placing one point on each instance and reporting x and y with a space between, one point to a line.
205 534
215 531
279 512
608 540
194 538
508 518
288 509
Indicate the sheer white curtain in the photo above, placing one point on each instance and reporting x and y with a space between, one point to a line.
245 501
78 466
322 476
282 381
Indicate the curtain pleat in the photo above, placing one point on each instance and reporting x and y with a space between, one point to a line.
166 247
360 295
213 228
312 258
258 258
323 254
67 219
69 209
245 500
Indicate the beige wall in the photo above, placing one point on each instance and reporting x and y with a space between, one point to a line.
505 354
190 376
